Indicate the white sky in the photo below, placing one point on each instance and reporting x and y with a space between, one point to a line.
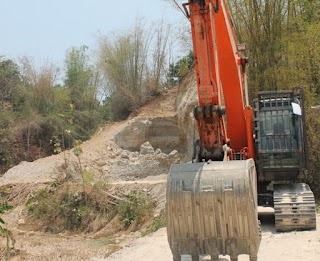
45 29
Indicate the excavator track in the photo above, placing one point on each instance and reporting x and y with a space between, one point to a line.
212 210
294 207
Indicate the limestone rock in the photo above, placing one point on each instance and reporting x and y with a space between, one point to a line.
125 154
146 148
174 156
21 221
161 132
40 171
186 101
147 163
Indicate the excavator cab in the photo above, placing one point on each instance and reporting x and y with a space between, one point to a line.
280 145
281 164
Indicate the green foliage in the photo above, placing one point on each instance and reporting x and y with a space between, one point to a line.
178 69
39 83
87 177
136 208
6 139
57 210
313 142
85 124
284 52
157 223
122 61
3 230
283 46
64 208
35 110
3 208
120 106
78 150
62 99
10 78
81 79
105 110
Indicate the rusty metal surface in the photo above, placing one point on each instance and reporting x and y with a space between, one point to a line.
212 210
294 207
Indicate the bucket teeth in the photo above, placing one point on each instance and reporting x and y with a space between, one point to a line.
211 209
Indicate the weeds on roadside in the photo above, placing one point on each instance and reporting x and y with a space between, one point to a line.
157 223
5 231
135 208
65 208
78 152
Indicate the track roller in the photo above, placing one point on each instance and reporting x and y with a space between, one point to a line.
294 207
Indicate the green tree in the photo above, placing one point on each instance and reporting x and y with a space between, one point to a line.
5 231
180 68
279 37
10 79
284 51
81 79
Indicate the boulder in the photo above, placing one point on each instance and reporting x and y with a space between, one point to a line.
146 148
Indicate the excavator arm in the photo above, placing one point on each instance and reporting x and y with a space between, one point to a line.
221 79
212 203
209 113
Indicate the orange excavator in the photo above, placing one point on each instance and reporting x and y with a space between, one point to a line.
212 202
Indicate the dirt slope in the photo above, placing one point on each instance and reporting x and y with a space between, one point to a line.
98 153
103 157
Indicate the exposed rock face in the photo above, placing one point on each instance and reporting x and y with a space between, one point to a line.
186 101
165 123
161 132
41 171
135 165
167 132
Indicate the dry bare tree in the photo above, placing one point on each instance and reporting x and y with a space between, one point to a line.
40 82
133 64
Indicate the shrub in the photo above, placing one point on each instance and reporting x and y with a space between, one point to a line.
121 106
5 231
157 223
6 140
135 208
64 208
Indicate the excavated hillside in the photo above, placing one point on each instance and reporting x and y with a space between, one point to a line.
144 145
129 156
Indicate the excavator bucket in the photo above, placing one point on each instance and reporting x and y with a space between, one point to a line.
212 210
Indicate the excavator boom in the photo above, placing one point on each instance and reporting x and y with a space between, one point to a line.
220 72
212 202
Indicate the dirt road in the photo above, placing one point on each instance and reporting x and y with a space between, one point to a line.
293 246
37 246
